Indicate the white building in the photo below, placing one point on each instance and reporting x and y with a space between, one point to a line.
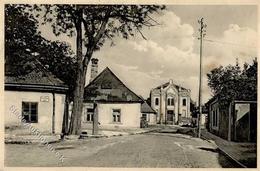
117 105
37 96
171 102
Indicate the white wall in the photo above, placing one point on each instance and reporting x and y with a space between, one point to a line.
151 118
130 114
45 109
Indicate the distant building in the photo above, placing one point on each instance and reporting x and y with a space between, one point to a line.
38 96
235 122
117 105
171 102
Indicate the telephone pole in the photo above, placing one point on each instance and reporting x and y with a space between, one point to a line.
202 34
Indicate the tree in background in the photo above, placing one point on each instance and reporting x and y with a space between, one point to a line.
233 83
93 25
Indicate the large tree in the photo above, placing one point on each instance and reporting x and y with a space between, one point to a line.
93 25
233 83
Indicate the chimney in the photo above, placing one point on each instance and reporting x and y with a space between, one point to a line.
94 69
171 81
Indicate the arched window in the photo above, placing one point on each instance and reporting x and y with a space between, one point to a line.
170 101
183 102
156 101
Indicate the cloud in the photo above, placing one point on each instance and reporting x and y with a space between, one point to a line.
236 42
172 52
171 31
166 54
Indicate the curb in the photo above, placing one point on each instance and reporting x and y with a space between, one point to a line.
30 142
224 152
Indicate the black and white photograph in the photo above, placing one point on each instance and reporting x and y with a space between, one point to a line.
130 85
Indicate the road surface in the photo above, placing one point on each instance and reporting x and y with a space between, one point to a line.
143 150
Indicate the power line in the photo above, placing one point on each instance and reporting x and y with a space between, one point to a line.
229 43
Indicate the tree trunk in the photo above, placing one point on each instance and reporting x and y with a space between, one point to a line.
82 64
75 122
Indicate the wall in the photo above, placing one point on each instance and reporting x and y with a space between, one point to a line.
151 118
186 108
130 115
45 111
155 94
222 127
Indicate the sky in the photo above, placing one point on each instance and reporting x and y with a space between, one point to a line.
171 50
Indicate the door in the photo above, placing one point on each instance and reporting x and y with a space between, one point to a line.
170 116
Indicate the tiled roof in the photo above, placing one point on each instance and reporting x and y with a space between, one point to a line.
108 87
37 75
146 108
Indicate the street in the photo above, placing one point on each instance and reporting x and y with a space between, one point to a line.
141 150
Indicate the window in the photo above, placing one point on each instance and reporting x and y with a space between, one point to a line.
30 112
156 101
89 114
183 102
170 101
116 115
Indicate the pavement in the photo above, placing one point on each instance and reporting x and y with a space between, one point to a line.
149 150
103 133
242 153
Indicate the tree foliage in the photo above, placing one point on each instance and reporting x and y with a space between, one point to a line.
23 39
233 83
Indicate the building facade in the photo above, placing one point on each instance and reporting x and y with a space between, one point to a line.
107 97
171 102
38 97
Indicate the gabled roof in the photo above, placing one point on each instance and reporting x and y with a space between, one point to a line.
107 87
146 108
166 84
35 77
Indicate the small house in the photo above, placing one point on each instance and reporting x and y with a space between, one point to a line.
116 105
235 122
37 96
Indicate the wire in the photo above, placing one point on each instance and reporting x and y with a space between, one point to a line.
230 43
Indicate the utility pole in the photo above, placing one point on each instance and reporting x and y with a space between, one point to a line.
95 119
202 34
